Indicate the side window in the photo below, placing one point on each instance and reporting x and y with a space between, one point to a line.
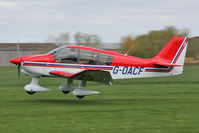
105 59
94 58
87 57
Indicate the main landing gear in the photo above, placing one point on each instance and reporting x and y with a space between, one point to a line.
67 86
79 91
65 92
80 96
30 92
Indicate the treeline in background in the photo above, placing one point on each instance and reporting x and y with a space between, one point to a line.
148 45
145 45
83 39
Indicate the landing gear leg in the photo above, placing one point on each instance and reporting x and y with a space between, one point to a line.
67 86
82 85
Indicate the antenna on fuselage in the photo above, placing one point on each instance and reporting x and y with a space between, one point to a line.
129 49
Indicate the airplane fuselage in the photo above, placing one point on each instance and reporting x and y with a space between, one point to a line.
117 72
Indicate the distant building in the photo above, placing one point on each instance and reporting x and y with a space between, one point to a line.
111 46
8 51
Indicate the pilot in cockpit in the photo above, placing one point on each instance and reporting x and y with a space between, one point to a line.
70 58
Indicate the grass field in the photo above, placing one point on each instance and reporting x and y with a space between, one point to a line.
151 105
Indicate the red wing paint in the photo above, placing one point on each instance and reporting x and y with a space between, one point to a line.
64 73
89 75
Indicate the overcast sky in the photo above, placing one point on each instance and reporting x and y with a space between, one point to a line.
35 20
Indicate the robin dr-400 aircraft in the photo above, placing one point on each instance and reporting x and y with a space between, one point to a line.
90 64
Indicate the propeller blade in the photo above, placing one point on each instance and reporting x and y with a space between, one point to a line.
19 70
19 55
18 49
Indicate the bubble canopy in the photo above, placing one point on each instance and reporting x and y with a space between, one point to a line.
67 54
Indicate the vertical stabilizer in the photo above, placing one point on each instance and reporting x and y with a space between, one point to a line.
174 53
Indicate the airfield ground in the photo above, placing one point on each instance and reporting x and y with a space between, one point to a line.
151 105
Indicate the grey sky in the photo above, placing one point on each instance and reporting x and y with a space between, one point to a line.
35 20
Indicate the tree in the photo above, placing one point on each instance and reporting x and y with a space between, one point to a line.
148 45
89 40
62 39
193 47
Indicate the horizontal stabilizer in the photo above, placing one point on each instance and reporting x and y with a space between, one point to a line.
165 64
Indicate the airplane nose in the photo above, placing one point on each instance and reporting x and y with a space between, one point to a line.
16 61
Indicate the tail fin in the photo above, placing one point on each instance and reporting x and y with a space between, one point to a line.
173 54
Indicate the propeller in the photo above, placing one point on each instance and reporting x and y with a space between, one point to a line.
18 55
18 49
18 70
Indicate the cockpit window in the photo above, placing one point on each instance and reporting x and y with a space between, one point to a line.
80 56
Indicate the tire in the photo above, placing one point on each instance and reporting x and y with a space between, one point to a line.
65 92
80 96
30 92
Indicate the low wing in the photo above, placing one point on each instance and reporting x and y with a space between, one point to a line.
63 73
88 75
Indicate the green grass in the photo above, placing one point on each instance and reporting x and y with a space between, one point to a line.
162 105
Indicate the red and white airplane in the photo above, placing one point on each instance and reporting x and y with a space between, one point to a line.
90 64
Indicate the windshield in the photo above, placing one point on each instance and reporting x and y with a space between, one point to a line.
56 49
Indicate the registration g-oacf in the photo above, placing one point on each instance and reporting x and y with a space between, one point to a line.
90 64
